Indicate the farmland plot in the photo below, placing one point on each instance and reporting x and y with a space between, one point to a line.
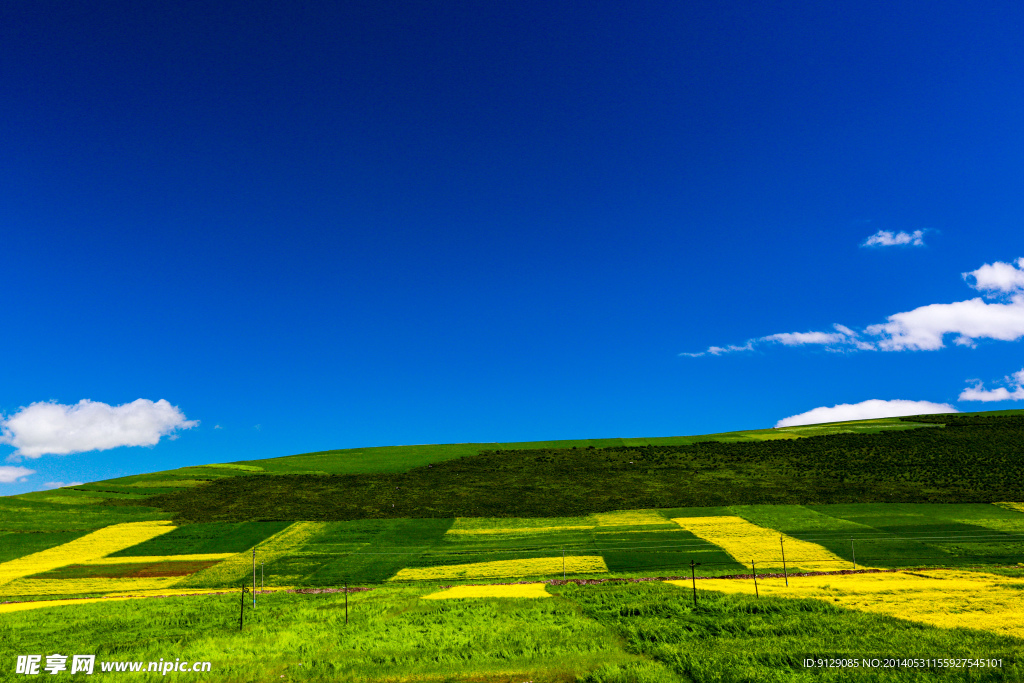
944 598
91 546
745 541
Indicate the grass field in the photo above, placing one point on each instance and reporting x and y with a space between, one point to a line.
612 633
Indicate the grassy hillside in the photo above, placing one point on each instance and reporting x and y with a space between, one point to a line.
397 459
975 458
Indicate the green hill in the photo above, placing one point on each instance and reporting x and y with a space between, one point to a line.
397 459
975 458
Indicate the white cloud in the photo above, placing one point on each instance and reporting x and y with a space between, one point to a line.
998 277
885 238
979 393
9 475
800 338
925 328
865 410
50 427
719 350
60 484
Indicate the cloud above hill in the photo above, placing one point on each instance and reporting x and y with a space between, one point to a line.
924 328
865 410
52 428
885 238
60 484
1015 392
9 475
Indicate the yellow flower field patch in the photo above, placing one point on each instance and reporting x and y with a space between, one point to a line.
89 547
521 590
629 518
130 595
147 559
947 598
1018 507
513 531
746 541
93 585
535 566
497 525
39 604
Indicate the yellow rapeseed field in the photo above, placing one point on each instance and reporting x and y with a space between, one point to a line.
536 566
149 559
38 604
746 541
513 531
128 595
629 518
947 598
91 585
521 590
1019 507
500 525
89 547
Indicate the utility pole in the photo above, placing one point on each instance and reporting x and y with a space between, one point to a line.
784 572
693 577
262 585
254 578
854 553
346 603
563 565
241 614
756 594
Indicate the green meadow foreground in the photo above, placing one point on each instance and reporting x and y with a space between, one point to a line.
646 632
933 522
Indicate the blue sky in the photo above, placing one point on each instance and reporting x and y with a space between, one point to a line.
307 226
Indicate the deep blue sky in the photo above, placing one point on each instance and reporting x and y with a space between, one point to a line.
365 223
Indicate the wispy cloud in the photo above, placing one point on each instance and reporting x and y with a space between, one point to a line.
885 238
60 484
50 427
1014 391
926 327
719 350
9 475
865 410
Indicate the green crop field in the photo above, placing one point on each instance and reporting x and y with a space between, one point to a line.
915 493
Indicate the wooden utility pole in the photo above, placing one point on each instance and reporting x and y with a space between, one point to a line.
241 614
784 572
346 603
693 577
756 594
563 565
854 553
254 578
